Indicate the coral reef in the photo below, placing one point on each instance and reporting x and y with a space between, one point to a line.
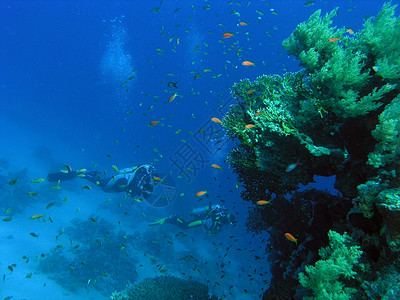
339 115
96 258
337 263
164 288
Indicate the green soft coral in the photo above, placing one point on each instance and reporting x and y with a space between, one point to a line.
381 40
387 133
338 71
337 263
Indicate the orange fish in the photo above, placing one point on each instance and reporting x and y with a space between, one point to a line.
177 41
242 23
152 123
350 31
248 126
263 202
258 113
215 166
37 216
333 40
201 193
172 97
247 63
216 120
291 238
227 35
155 178
249 92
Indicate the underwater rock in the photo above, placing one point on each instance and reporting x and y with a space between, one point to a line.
164 288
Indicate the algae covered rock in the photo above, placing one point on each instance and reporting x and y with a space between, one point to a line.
164 288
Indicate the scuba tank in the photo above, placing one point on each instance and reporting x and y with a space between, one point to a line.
206 209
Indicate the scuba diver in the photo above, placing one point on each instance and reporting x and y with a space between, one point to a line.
136 181
211 217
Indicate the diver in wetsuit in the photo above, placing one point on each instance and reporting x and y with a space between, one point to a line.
137 181
211 217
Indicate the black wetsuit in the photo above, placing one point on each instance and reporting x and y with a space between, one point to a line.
137 181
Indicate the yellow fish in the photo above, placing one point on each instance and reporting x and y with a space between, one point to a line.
40 180
115 168
57 186
37 216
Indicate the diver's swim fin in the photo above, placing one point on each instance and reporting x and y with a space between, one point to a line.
158 222
54 177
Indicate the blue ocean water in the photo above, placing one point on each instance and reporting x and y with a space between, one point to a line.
80 82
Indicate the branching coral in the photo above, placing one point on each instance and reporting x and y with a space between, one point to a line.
337 263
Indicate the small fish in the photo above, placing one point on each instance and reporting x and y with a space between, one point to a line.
332 40
40 180
215 166
172 84
115 168
33 193
308 3
201 193
243 24
291 238
69 169
50 205
247 63
34 234
86 187
291 167
35 217
248 126
65 199
263 202
81 171
227 35
8 219
155 178
13 181
249 92
57 186
93 220
172 97
259 113
375 68
350 31
152 123
9 210
29 275
216 120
